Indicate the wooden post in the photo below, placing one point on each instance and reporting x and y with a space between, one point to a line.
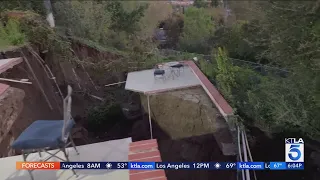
149 112
12 80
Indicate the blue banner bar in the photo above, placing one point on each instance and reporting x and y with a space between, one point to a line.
142 165
197 165
184 165
278 166
250 165
295 166
93 165
150 165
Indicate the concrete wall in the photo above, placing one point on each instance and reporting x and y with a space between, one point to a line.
11 105
188 113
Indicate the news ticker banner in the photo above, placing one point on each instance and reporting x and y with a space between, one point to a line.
162 165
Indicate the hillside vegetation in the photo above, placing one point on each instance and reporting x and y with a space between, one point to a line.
284 35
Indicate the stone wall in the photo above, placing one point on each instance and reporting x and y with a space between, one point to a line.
11 105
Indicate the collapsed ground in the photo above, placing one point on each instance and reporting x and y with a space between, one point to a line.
102 121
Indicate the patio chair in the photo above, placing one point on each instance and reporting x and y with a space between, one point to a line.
159 73
178 68
44 135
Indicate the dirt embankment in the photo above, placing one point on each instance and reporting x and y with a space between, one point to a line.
187 113
188 129
35 105
102 66
11 105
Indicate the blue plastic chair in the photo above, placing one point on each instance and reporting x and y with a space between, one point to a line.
44 135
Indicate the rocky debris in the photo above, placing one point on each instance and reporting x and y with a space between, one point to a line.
11 104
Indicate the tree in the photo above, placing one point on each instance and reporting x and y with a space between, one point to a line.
87 19
157 12
174 28
33 5
200 3
122 20
214 3
197 29
286 34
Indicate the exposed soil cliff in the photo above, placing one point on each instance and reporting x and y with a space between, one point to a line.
187 113
188 129
35 106
11 105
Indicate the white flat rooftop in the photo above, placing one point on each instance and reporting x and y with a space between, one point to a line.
145 82
108 151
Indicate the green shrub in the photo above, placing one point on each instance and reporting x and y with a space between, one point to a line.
197 29
11 35
272 103
104 22
225 74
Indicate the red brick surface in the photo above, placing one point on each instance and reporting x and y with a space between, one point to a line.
145 151
3 88
148 175
138 143
143 147
141 171
142 155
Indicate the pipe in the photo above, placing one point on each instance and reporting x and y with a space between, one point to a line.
36 79
84 69
114 83
149 112
240 153
96 97
47 70
245 155
11 80
49 74
250 155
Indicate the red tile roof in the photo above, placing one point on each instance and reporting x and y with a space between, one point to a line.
223 106
145 151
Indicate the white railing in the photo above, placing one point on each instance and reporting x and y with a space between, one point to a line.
244 154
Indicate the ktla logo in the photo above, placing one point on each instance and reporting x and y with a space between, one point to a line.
294 150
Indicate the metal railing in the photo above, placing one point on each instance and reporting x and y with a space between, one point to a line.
244 154
238 62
